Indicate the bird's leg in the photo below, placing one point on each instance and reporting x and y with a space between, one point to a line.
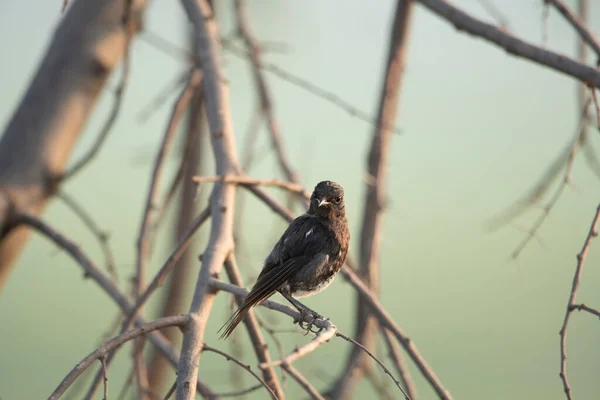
304 311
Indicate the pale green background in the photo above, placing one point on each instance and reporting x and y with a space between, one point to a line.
479 128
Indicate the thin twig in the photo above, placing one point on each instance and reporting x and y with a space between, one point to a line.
383 316
169 264
93 272
242 392
126 385
583 307
385 369
173 50
322 337
152 197
366 327
581 257
241 364
302 381
517 47
252 326
155 102
264 95
597 106
143 242
99 234
216 284
105 374
586 35
386 321
171 390
246 181
113 343
564 162
495 12
400 364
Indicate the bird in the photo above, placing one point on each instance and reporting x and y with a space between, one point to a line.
306 258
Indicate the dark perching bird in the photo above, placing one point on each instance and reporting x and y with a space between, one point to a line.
306 258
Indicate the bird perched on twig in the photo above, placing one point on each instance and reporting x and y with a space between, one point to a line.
307 256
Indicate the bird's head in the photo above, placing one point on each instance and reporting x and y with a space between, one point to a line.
327 200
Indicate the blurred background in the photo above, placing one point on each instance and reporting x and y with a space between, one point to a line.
478 129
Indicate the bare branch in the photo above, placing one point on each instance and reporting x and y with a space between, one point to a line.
302 381
586 35
270 304
491 9
386 320
378 309
246 181
366 331
241 364
169 264
253 328
109 287
220 243
583 307
143 242
385 369
37 141
118 98
571 306
161 97
400 364
178 53
264 95
105 374
152 198
100 235
113 343
520 48
171 391
322 337
564 162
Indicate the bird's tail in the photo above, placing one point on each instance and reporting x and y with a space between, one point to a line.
235 319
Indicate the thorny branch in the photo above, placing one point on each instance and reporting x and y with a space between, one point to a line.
571 306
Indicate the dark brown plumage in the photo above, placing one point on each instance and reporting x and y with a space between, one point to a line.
307 256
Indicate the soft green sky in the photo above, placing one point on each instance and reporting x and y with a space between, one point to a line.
479 128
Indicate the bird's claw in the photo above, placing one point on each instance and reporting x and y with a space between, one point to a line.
309 325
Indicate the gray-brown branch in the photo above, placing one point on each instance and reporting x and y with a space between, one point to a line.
367 331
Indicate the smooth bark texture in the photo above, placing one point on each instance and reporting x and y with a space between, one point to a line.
38 140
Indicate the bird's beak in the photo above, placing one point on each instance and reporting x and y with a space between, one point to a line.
322 202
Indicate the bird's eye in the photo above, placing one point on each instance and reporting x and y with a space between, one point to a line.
337 199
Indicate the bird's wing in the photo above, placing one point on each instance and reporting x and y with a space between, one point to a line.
303 237
264 287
